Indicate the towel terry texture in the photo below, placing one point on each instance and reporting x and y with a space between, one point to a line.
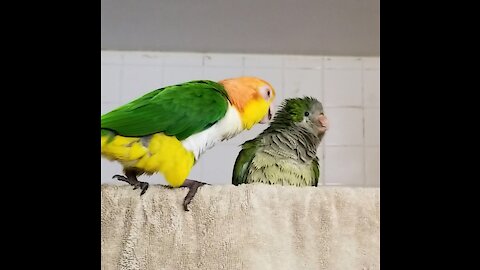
241 227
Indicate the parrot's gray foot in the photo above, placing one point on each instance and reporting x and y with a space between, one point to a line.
193 187
142 185
133 182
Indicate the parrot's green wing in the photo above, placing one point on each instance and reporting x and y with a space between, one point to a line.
315 171
178 110
243 161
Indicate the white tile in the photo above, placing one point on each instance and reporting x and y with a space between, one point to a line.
140 80
371 88
111 57
143 58
218 164
107 107
342 62
303 82
344 165
154 179
221 73
223 60
273 76
345 126
310 62
372 127
176 75
197 171
263 60
110 83
371 62
108 169
343 88
183 59
372 166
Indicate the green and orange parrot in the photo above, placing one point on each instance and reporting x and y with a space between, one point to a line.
167 130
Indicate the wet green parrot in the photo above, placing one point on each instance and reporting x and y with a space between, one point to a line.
286 152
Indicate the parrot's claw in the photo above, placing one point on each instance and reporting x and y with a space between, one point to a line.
142 185
120 178
193 187
133 182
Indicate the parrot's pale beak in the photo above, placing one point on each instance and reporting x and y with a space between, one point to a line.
323 122
267 116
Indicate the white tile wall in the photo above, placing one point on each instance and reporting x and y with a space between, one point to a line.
348 87
218 163
372 166
302 82
303 62
197 171
371 63
216 73
111 57
137 80
343 62
175 75
183 59
143 58
263 61
107 107
110 80
343 87
109 169
223 60
371 88
372 126
344 165
346 126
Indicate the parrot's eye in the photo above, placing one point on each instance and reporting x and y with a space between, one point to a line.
307 113
265 92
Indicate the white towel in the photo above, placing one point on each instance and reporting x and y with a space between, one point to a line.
241 227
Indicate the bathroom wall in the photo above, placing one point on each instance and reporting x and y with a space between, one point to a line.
348 87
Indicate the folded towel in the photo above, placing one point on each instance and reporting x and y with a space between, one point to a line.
241 227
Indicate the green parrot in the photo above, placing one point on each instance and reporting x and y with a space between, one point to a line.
167 130
286 152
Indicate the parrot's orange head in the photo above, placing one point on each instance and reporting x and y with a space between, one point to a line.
252 97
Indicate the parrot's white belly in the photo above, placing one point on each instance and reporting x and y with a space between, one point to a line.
229 126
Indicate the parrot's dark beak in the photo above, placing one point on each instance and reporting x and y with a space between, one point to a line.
268 116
